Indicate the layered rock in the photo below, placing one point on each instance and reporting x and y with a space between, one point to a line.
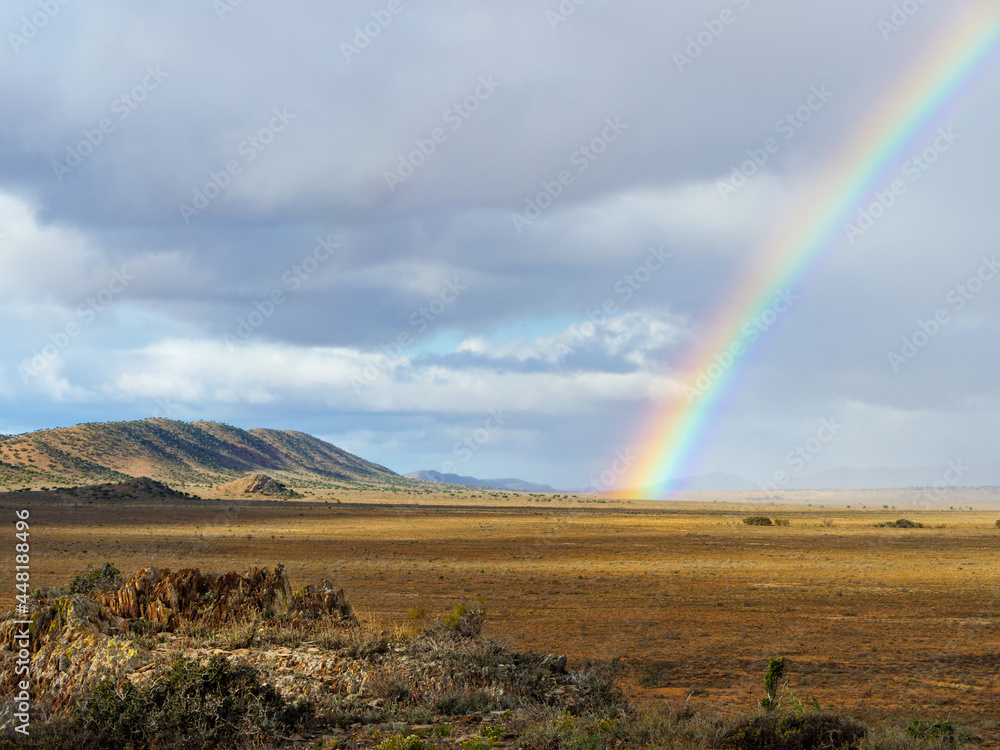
169 598
74 641
257 484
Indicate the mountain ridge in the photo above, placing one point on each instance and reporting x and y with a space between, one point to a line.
170 450
514 485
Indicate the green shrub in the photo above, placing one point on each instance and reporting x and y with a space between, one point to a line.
461 702
401 742
942 730
598 687
757 521
466 619
192 705
774 674
786 732
417 613
902 523
782 522
656 674
998 524
492 732
108 578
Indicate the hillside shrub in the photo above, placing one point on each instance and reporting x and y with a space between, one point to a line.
902 523
787 732
216 704
466 619
108 578
941 730
773 675
758 521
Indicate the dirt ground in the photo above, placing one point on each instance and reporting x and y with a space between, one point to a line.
880 622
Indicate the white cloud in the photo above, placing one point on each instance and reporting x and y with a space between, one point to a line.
630 337
192 372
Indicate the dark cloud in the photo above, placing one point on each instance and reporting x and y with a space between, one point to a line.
208 155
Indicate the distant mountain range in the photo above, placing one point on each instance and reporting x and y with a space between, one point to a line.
516 485
849 478
168 450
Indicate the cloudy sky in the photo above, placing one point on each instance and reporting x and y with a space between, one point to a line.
386 223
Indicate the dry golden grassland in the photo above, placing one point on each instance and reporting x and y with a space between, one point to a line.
880 622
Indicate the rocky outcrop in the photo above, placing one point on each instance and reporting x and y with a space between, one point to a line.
169 598
73 644
257 484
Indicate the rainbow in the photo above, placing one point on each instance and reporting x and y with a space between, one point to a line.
867 165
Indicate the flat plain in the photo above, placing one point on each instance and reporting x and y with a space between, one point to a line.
883 623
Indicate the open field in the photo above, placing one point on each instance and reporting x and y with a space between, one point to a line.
880 622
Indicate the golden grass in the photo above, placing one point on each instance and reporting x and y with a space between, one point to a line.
879 622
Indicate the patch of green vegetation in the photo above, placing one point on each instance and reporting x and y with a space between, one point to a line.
402 742
108 578
787 732
466 619
758 521
774 674
902 523
941 730
656 674
191 706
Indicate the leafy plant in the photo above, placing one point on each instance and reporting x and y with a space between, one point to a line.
417 613
902 523
492 732
466 619
190 706
773 675
758 521
786 732
402 742
940 729
108 578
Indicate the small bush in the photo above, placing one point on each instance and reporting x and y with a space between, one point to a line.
240 635
772 677
758 521
108 578
390 690
598 689
902 523
941 730
193 705
461 703
417 613
401 742
466 619
656 674
492 733
998 524
785 732
782 522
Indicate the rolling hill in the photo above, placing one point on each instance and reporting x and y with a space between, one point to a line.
188 452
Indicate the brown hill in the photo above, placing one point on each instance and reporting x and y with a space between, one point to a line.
257 484
141 489
172 451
